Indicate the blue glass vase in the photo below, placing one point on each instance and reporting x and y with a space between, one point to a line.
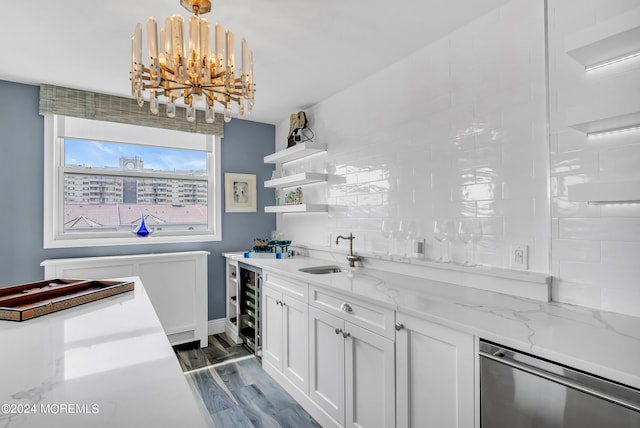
142 229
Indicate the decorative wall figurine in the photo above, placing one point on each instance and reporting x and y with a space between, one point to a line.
299 130
297 122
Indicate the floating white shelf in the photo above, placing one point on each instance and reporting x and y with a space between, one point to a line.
611 192
606 41
299 208
296 180
298 151
597 119
619 110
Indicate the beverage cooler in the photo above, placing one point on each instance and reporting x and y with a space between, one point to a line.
250 289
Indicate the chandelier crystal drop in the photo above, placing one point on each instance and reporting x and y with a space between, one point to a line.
195 75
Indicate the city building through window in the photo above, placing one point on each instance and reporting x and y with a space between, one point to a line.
103 187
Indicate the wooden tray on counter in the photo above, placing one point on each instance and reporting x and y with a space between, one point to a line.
25 301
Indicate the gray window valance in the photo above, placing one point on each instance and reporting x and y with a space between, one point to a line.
109 108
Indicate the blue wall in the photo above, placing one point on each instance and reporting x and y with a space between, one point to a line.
21 196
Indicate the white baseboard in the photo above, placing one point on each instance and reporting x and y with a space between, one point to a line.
215 326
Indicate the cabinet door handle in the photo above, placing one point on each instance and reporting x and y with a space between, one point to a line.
283 303
346 307
338 330
399 326
346 334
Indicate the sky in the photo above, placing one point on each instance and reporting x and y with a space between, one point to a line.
100 154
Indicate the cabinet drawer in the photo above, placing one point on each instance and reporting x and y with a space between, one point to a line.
295 289
366 315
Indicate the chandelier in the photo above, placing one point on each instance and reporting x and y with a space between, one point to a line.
196 75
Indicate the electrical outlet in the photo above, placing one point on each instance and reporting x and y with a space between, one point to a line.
520 256
420 247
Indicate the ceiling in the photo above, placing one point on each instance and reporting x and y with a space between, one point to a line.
304 51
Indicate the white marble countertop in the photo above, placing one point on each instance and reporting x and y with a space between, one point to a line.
603 343
106 363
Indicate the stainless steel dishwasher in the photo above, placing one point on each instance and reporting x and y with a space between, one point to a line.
518 390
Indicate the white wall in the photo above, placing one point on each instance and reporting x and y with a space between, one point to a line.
459 130
595 248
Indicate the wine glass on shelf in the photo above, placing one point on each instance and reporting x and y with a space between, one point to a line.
408 230
476 236
389 231
464 235
440 234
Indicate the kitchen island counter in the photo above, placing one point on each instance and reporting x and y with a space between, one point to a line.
106 363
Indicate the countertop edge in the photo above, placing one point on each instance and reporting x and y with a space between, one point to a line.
109 361
523 324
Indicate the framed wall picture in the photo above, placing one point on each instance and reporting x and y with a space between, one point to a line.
240 193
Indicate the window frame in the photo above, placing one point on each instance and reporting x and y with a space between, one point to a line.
57 128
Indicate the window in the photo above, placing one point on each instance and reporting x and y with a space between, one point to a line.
103 178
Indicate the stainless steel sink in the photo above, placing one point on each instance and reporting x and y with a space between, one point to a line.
319 270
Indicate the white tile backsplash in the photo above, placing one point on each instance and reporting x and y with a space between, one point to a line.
583 161
621 162
601 228
596 255
562 208
438 132
577 250
624 301
621 210
459 130
614 277
617 253
577 294
479 192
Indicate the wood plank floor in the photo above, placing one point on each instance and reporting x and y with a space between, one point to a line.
234 391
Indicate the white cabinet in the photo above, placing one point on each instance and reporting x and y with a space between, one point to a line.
285 343
345 361
435 375
370 371
175 282
326 352
352 369
272 327
231 318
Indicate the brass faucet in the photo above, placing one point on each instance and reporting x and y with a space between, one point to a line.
351 257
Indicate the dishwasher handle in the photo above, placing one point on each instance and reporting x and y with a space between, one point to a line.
502 358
